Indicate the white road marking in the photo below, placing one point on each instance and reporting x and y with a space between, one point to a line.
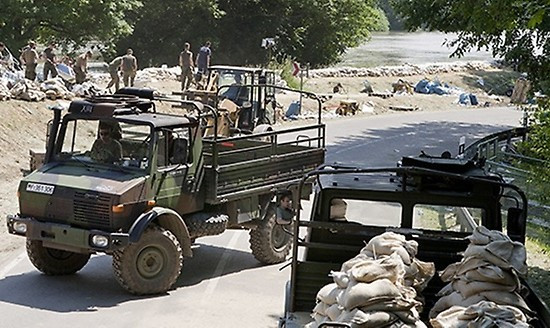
213 283
6 269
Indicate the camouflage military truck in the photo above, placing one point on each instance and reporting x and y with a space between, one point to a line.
169 185
435 201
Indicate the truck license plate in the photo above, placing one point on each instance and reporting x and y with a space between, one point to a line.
40 188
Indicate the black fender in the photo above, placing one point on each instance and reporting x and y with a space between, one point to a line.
166 218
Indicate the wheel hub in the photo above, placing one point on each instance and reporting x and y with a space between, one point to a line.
150 262
279 237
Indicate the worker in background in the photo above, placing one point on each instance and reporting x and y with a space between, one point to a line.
81 66
29 58
129 68
114 67
49 64
6 59
187 66
203 61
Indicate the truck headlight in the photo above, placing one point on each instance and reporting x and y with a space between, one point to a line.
20 227
100 241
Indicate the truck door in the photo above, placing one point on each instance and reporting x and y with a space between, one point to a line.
175 180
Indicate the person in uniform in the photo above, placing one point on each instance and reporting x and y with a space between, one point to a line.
81 66
6 59
129 68
187 66
49 64
114 67
29 57
106 149
203 61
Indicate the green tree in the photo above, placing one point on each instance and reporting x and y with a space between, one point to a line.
74 22
314 31
517 30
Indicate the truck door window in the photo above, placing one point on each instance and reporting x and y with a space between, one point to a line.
373 213
446 218
135 140
174 147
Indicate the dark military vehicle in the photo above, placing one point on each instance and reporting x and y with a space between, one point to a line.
170 184
435 201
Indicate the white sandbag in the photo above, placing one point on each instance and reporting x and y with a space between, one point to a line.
361 257
329 293
333 311
390 268
340 278
320 308
363 294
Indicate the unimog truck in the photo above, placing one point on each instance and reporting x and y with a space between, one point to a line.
174 183
435 201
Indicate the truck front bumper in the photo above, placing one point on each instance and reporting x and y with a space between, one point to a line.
65 237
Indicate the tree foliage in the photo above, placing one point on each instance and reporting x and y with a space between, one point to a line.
72 22
517 30
314 31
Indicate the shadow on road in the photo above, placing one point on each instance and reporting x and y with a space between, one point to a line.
383 147
95 287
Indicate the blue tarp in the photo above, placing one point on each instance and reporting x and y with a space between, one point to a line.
468 99
293 110
426 86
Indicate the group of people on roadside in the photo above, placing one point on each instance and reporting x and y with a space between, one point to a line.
202 62
193 71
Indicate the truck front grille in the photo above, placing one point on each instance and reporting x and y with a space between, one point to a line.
92 209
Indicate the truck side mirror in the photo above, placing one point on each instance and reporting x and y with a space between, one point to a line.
179 151
516 224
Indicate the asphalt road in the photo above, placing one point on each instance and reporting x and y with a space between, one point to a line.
223 285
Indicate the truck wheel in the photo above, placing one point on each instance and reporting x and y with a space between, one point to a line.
150 266
268 241
55 262
206 224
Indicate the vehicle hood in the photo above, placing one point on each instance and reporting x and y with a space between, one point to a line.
99 179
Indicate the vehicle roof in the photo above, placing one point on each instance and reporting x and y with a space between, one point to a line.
155 120
239 68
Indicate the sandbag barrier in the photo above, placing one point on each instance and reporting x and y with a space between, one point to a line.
484 289
380 287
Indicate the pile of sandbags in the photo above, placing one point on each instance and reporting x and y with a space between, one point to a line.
403 70
27 90
55 89
484 287
87 89
377 288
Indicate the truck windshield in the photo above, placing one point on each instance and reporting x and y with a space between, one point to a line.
107 142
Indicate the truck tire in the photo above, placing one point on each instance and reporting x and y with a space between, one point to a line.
150 266
55 262
206 224
268 241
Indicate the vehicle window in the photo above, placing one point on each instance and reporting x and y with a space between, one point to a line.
174 147
373 213
106 142
446 218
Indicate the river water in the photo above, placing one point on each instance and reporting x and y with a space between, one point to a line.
397 48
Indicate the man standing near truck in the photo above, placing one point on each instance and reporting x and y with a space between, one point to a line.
49 64
81 66
29 57
129 68
187 66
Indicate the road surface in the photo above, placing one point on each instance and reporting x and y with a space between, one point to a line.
223 285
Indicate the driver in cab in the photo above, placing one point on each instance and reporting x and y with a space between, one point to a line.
106 149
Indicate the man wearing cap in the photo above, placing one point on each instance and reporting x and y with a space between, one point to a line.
129 68
81 66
